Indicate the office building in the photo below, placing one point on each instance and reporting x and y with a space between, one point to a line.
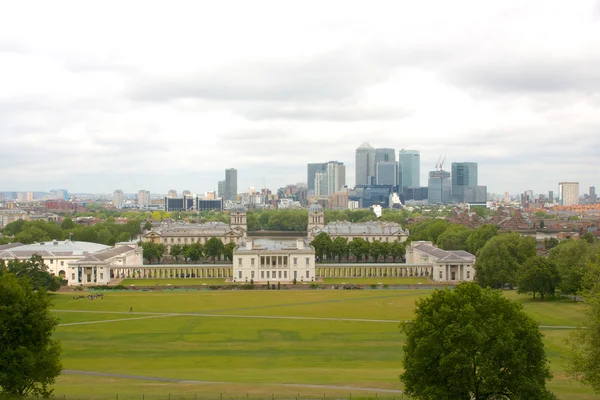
365 165
336 177
551 196
387 173
172 193
568 193
324 179
221 189
439 187
464 182
384 155
118 198
409 170
230 184
312 170
321 184
593 196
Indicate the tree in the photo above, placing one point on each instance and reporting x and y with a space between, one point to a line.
67 224
571 259
397 250
359 248
428 230
123 237
322 245
376 250
588 237
499 261
33 269
550 243
538 275
454 238
176 250
148 226
228 251
213 248
194 252
583 356
471 343
29 356
480 236
339 247
153 251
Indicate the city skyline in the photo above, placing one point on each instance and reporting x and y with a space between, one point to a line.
494 83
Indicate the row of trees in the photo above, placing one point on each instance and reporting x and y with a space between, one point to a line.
450 236
358 249
213 249
107 232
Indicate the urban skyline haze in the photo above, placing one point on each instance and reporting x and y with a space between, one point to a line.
267 87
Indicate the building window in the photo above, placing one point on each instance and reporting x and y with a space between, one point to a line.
468 274
252 262
178 240
307 261
284 274
240 274
440 274
262 274
307 274
295 261
279 274
240 262
252 275
51 261
62 263
101 276
268 274
72 277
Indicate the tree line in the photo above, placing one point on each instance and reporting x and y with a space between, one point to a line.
357 250
213 249
108 232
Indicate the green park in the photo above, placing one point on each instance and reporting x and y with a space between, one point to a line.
259 344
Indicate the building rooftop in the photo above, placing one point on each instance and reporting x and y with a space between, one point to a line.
104 255
443 255
364 228
275 245
55 248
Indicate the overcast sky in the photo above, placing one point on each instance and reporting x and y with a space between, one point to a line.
98 96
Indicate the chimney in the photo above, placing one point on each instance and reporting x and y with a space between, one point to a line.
249 245
300 244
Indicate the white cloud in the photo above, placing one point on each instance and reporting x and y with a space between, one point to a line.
106 95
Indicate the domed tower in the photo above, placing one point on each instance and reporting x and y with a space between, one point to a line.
316 218
238 218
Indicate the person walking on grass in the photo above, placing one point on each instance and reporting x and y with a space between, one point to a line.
130 309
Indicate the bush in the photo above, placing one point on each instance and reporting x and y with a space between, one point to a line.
373 286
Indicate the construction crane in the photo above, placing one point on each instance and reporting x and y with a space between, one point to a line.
441 163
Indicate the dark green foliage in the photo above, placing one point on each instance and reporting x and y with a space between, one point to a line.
33 269
550 243
571 259
428 230
538 275
499 261
454 238
153 251
471 343
339 248
228 251
68 224
359 248
322 245
480 237
29 357
213 248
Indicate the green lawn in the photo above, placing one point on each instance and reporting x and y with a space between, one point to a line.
375 281
258 355
174 282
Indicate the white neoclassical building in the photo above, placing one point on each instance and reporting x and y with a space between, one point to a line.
447 265
274 260
99 268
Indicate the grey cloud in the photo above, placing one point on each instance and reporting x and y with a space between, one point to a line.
339 113
333 76
530 75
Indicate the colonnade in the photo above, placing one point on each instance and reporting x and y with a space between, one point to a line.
353 271
170 272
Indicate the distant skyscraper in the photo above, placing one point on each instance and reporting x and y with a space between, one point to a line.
464 182
409 169
568 193
551 196
387 173
336 177
231 184
143 198
593 196
221 189
312 169
321 184
118 198
365 165
172 193
439 187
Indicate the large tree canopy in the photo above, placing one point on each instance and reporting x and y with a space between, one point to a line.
33 269
29 357
500 259
538 275
471 343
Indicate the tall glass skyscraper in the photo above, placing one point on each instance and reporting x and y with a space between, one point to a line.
231 184
365 165
464 182
409 170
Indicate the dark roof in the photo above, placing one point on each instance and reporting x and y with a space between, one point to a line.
107 254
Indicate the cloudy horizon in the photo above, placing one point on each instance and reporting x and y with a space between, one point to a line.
98 96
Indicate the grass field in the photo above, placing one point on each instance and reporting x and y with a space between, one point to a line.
220 281
376 281
258 343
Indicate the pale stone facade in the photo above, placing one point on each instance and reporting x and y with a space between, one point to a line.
96 268
447 265
271 260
